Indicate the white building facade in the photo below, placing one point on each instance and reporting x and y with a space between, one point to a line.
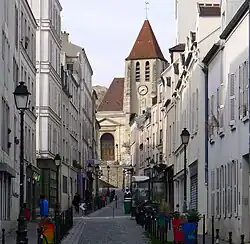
48 92
18 38
228 126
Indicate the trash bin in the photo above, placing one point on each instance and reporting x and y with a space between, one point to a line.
127 205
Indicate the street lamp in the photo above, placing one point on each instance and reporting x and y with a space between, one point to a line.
123 179
185 135
57 161
97 168
131 170
108 169
21 96
116 152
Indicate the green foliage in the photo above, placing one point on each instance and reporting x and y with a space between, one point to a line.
193 216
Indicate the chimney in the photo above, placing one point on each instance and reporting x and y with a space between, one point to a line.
65 36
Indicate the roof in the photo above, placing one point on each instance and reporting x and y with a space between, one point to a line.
235 20
209 10
206 60
113 99
177 48
146 45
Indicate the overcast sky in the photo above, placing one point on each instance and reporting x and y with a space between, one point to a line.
107 30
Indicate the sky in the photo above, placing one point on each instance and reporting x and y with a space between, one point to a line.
107 30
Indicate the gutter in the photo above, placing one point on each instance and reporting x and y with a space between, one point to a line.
205 70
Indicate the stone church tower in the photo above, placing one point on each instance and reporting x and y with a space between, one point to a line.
143 68
128 96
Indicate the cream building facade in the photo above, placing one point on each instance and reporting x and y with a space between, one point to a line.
17 63
79 129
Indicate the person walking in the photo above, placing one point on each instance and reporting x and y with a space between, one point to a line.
76 202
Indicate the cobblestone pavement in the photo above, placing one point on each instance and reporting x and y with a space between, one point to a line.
105 226
32 235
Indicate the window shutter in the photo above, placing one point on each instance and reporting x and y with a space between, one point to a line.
231 79
245 88
197 109
241 101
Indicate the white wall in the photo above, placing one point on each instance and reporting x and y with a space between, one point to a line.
227 148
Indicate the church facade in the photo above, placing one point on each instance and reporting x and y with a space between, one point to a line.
130 96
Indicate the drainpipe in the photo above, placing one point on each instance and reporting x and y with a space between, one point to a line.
249 81
205 70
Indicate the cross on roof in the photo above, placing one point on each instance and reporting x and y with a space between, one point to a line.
146 8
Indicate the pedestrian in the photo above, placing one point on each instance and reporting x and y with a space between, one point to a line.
76 202
44 206
26 212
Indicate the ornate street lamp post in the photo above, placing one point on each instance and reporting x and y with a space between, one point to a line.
57 161
123 179
117 154
185 135
97 168
108 169
21 96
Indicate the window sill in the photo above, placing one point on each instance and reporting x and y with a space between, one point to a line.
245 119
221 132
232 125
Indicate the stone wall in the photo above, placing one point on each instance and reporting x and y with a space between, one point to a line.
115 175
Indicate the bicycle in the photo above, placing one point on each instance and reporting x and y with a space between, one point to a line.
42 239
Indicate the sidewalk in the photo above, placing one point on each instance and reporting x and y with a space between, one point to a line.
32 235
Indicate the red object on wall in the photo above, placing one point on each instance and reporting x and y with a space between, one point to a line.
177 228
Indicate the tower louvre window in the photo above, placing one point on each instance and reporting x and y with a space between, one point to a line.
147 71
137 72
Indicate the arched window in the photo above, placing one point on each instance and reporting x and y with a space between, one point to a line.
137 72
147 71
107 147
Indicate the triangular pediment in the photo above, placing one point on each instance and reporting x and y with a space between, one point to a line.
108 122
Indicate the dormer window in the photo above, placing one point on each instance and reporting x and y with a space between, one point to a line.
147 71
137 72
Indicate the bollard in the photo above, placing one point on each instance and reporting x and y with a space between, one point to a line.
212 229
204 229
242 237
3 236
113 211
230 237
217 236
38 236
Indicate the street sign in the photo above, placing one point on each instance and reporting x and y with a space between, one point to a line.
83 206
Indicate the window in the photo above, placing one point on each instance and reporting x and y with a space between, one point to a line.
65 184
197 109
161 135
5 196
235 187
212 193
5 126
147 71
229 189
3 45
16 27
243 89
218 192
231 80
137 72
15 72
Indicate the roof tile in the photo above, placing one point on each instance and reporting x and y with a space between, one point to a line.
146 45
113 99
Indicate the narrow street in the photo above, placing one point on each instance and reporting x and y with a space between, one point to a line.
108 225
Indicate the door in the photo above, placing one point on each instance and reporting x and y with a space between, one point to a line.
194 192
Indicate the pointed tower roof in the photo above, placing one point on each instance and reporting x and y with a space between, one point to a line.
113 99
146 45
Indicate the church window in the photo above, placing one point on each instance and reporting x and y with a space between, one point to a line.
107 147
147 71
137 72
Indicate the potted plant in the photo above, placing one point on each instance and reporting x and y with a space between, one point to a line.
193 216
191 225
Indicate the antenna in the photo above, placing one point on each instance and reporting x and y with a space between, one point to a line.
146 8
